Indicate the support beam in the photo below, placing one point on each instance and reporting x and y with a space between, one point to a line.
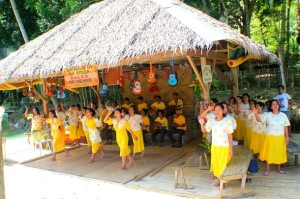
35 91
235 80
45 101
223 75
199 77
2 185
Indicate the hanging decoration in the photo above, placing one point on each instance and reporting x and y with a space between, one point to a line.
172 76
104 90
135 85
151 78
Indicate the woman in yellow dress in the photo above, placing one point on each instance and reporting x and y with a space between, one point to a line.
62 116
232 110
79 115
135 122
273 150
85 129
121 127
258 133
221 149
57 136
36 124
249 123
92 124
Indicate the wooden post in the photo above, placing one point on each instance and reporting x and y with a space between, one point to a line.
199 77
235 80
45 101
2 185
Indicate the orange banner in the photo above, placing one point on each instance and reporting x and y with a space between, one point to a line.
81 78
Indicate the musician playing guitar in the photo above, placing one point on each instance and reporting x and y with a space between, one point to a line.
175 104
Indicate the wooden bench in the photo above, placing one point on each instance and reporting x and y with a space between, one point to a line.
203 163
237 167
294 149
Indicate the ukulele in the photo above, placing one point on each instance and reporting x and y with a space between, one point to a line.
151 78
172 76
135 86
104 90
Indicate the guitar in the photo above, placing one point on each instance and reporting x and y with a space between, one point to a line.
135 86
61 93
151 78
104 90
172 76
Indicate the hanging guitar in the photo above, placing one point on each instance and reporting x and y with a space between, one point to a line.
61 93
151 78
104 90
135 85
172 76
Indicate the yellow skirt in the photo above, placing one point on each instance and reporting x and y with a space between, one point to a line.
80 131
274 150
87 137
138 145
96 146
63 131
122 140
247 136
238 133
58 141
73 132
220 157
257 141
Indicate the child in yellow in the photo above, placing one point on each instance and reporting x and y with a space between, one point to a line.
141 104
145 124
243 106
92 124
85 129
57 135
273 150
221 149
258 133
232 110
79 115
162 127
121 127
135 122
36 123
179 128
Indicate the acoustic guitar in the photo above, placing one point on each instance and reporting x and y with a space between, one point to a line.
135 85
172 76
151 78
104 90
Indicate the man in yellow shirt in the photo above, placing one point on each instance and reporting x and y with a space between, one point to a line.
174 104
127 104
161 127
141 104
158 104
179 127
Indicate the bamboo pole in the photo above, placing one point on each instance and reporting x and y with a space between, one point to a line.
199 77
2 185
235 80
19 20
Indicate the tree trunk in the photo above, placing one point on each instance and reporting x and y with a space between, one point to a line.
205 5
2 185
281 53
19 20
288 35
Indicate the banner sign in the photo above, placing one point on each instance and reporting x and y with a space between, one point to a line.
81 78
206 73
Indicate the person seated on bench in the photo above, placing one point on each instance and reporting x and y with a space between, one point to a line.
179 127
157 105
273 150
145 124
221 149
174 104
161 127
127 104
141 104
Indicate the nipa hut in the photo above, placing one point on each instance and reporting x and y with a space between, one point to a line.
116 33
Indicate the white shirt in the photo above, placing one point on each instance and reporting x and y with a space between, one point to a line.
220 131
276 123
211 115
135 122
259 127
249 114
283 100
246 107
233 121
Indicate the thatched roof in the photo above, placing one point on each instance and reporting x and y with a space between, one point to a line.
112 32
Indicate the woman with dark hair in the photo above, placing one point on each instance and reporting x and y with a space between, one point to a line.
57 135
36 124
277 138
62 116
121 127
93 124
249 123
85 129
243 107
221 149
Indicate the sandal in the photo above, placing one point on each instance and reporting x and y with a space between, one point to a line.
281 171
266 173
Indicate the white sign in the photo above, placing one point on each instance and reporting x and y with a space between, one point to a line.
206 73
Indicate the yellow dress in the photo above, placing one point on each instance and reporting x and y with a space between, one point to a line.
274 148
73 126
121 128
57 135
135 125
258 133
249 127
94 135
220 150
62 117
36 125
86 132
